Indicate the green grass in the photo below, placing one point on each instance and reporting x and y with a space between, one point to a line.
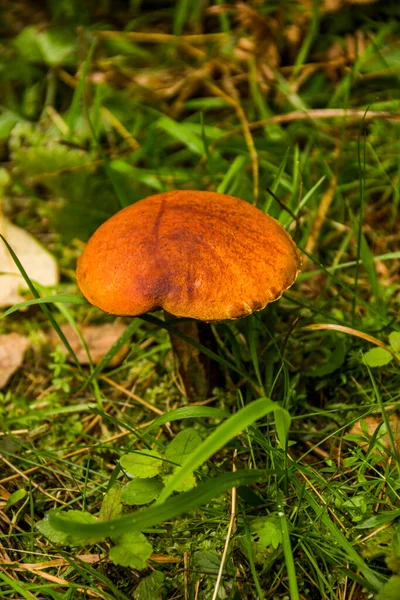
92 121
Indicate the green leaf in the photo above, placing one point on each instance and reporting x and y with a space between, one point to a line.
181 133
17 496
394 341
183 485
111 506
143 463
57 46
154 515
266 531
265 537
380 519
133 550
141 491
282 424
391 589
377 357
221 436
53 46
207 560
182 445
8 119
150 587
26 44
335 360
74 517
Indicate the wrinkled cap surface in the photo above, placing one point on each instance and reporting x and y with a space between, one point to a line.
195 254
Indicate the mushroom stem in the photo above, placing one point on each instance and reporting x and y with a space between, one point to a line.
197 372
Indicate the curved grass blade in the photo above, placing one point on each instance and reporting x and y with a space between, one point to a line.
61 298
123 339
149 517
252 338
46 311
222 435
188 412
16 586
346 265
70 319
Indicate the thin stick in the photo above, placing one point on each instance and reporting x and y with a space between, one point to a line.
228 535
132 395
325 113
35 485
187 580
316 114
122 130
162 38
349 331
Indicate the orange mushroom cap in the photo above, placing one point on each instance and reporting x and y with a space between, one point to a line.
195 254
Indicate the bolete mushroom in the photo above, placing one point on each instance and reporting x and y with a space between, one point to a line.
199 255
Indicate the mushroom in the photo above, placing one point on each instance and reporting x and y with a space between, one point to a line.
199 255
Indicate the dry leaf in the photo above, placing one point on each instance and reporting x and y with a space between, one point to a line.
332 5
99 339
383 439
264 32
12 350
37 262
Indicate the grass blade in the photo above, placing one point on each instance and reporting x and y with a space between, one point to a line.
370 576
188 412
149 517
123 339
288 553
221 435
180 133
200 347
46 311
61 298
14 585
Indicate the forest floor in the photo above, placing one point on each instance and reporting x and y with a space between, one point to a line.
290 470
